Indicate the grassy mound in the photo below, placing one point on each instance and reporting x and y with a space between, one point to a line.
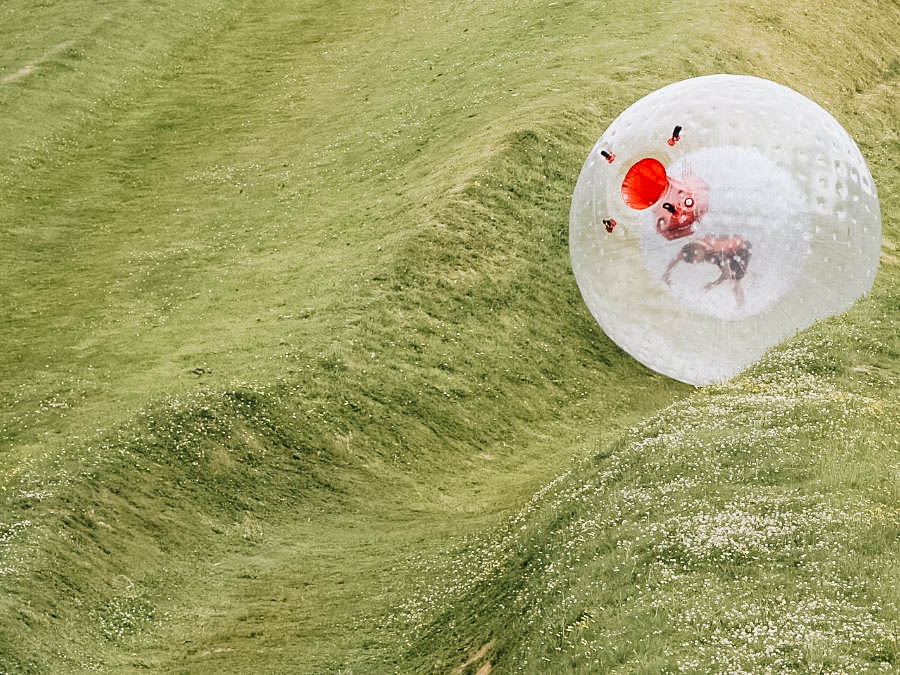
291 329
752 527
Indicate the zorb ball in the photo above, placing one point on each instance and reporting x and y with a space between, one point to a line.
717 216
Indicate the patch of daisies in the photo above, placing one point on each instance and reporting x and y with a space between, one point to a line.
704 541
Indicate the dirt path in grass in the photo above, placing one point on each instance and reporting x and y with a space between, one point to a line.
30 68
485 668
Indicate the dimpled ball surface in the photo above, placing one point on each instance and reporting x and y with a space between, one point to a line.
792 233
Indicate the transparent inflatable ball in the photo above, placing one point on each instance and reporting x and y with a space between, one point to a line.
716 217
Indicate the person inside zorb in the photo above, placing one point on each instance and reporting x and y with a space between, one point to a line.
716 216
677 206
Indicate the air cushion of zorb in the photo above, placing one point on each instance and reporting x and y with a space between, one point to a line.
716 217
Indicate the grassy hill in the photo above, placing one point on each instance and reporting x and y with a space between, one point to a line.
296 376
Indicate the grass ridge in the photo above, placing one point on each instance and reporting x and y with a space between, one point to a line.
201 463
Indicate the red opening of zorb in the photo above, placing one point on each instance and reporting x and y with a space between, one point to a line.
677 204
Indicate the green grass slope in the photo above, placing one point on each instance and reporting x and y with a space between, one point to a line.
751 528
290 333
